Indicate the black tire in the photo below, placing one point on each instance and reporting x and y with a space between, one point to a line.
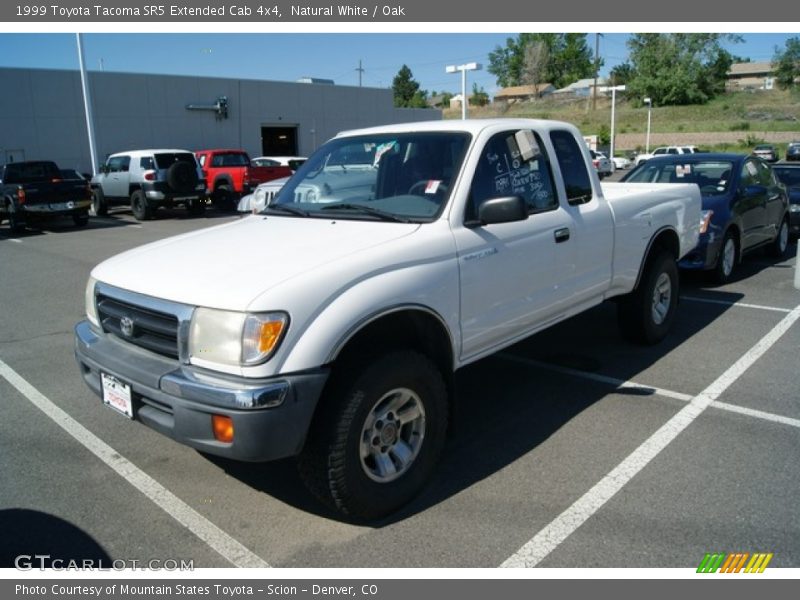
182 177
99 204
141 209
224 198
646 314
727 259
359 484
196 208
777 248
80 219
16 223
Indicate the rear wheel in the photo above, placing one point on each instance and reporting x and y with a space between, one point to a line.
646 314
224 198
15 222
376 440
141 209
781 241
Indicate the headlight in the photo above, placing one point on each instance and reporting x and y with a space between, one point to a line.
235 338
705 220
91 307
794 208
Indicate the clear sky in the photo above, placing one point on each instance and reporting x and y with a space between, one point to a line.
289 56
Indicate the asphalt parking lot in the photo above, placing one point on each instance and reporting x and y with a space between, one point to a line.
570 449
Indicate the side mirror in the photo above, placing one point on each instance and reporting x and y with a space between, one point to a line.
505 209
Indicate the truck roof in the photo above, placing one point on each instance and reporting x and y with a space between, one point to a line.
473 126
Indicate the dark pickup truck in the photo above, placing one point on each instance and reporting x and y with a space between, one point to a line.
32 191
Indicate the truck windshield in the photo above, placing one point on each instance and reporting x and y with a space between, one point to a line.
390 177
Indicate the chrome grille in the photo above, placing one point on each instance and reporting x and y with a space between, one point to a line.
150 329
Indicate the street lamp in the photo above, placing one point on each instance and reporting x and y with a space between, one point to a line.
614 90
463 68
649 103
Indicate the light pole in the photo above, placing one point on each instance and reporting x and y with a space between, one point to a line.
463 68
649 103
614 90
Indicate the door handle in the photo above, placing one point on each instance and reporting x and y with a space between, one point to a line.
561 235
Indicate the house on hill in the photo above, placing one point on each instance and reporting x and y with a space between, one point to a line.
523 93
750 76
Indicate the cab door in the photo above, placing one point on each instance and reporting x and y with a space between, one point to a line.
508 271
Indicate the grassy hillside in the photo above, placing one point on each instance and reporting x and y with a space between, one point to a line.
749 115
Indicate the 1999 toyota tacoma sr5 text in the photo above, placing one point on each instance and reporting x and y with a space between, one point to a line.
393 257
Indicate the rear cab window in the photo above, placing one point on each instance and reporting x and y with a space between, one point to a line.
571 161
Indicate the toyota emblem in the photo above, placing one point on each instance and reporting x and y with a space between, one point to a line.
126 325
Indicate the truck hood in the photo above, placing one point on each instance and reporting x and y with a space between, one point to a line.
229 266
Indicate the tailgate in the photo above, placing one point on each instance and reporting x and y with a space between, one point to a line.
264 174
55 192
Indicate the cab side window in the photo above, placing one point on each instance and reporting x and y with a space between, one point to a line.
572 163
513 163
119 164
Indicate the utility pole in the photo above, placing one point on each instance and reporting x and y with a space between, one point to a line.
596 68
360 72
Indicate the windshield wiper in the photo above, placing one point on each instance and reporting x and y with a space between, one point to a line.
375 212
286 208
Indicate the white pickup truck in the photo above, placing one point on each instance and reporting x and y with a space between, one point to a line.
395 256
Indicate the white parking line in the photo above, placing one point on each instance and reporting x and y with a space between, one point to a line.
622 385
229 548
549 538
737 304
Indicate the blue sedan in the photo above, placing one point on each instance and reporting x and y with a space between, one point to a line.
744 206
789 175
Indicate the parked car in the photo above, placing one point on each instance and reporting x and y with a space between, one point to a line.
789 176
744 206
793 151
666 150
32 191
293 162
767 152
261 196
602 164
621 162
147 180
331 328
229 174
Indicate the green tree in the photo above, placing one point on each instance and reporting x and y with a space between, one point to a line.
479 96
406 90
787 63
678 68
621 74
568 58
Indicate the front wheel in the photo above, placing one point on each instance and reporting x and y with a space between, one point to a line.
726 261
376 440
646 314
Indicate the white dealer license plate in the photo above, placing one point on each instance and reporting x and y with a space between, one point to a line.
117 394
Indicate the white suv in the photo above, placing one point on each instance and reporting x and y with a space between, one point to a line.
148 179
662 150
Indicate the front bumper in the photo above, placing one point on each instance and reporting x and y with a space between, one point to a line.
270 416
705 254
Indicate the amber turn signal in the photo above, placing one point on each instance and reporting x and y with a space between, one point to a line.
223 428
